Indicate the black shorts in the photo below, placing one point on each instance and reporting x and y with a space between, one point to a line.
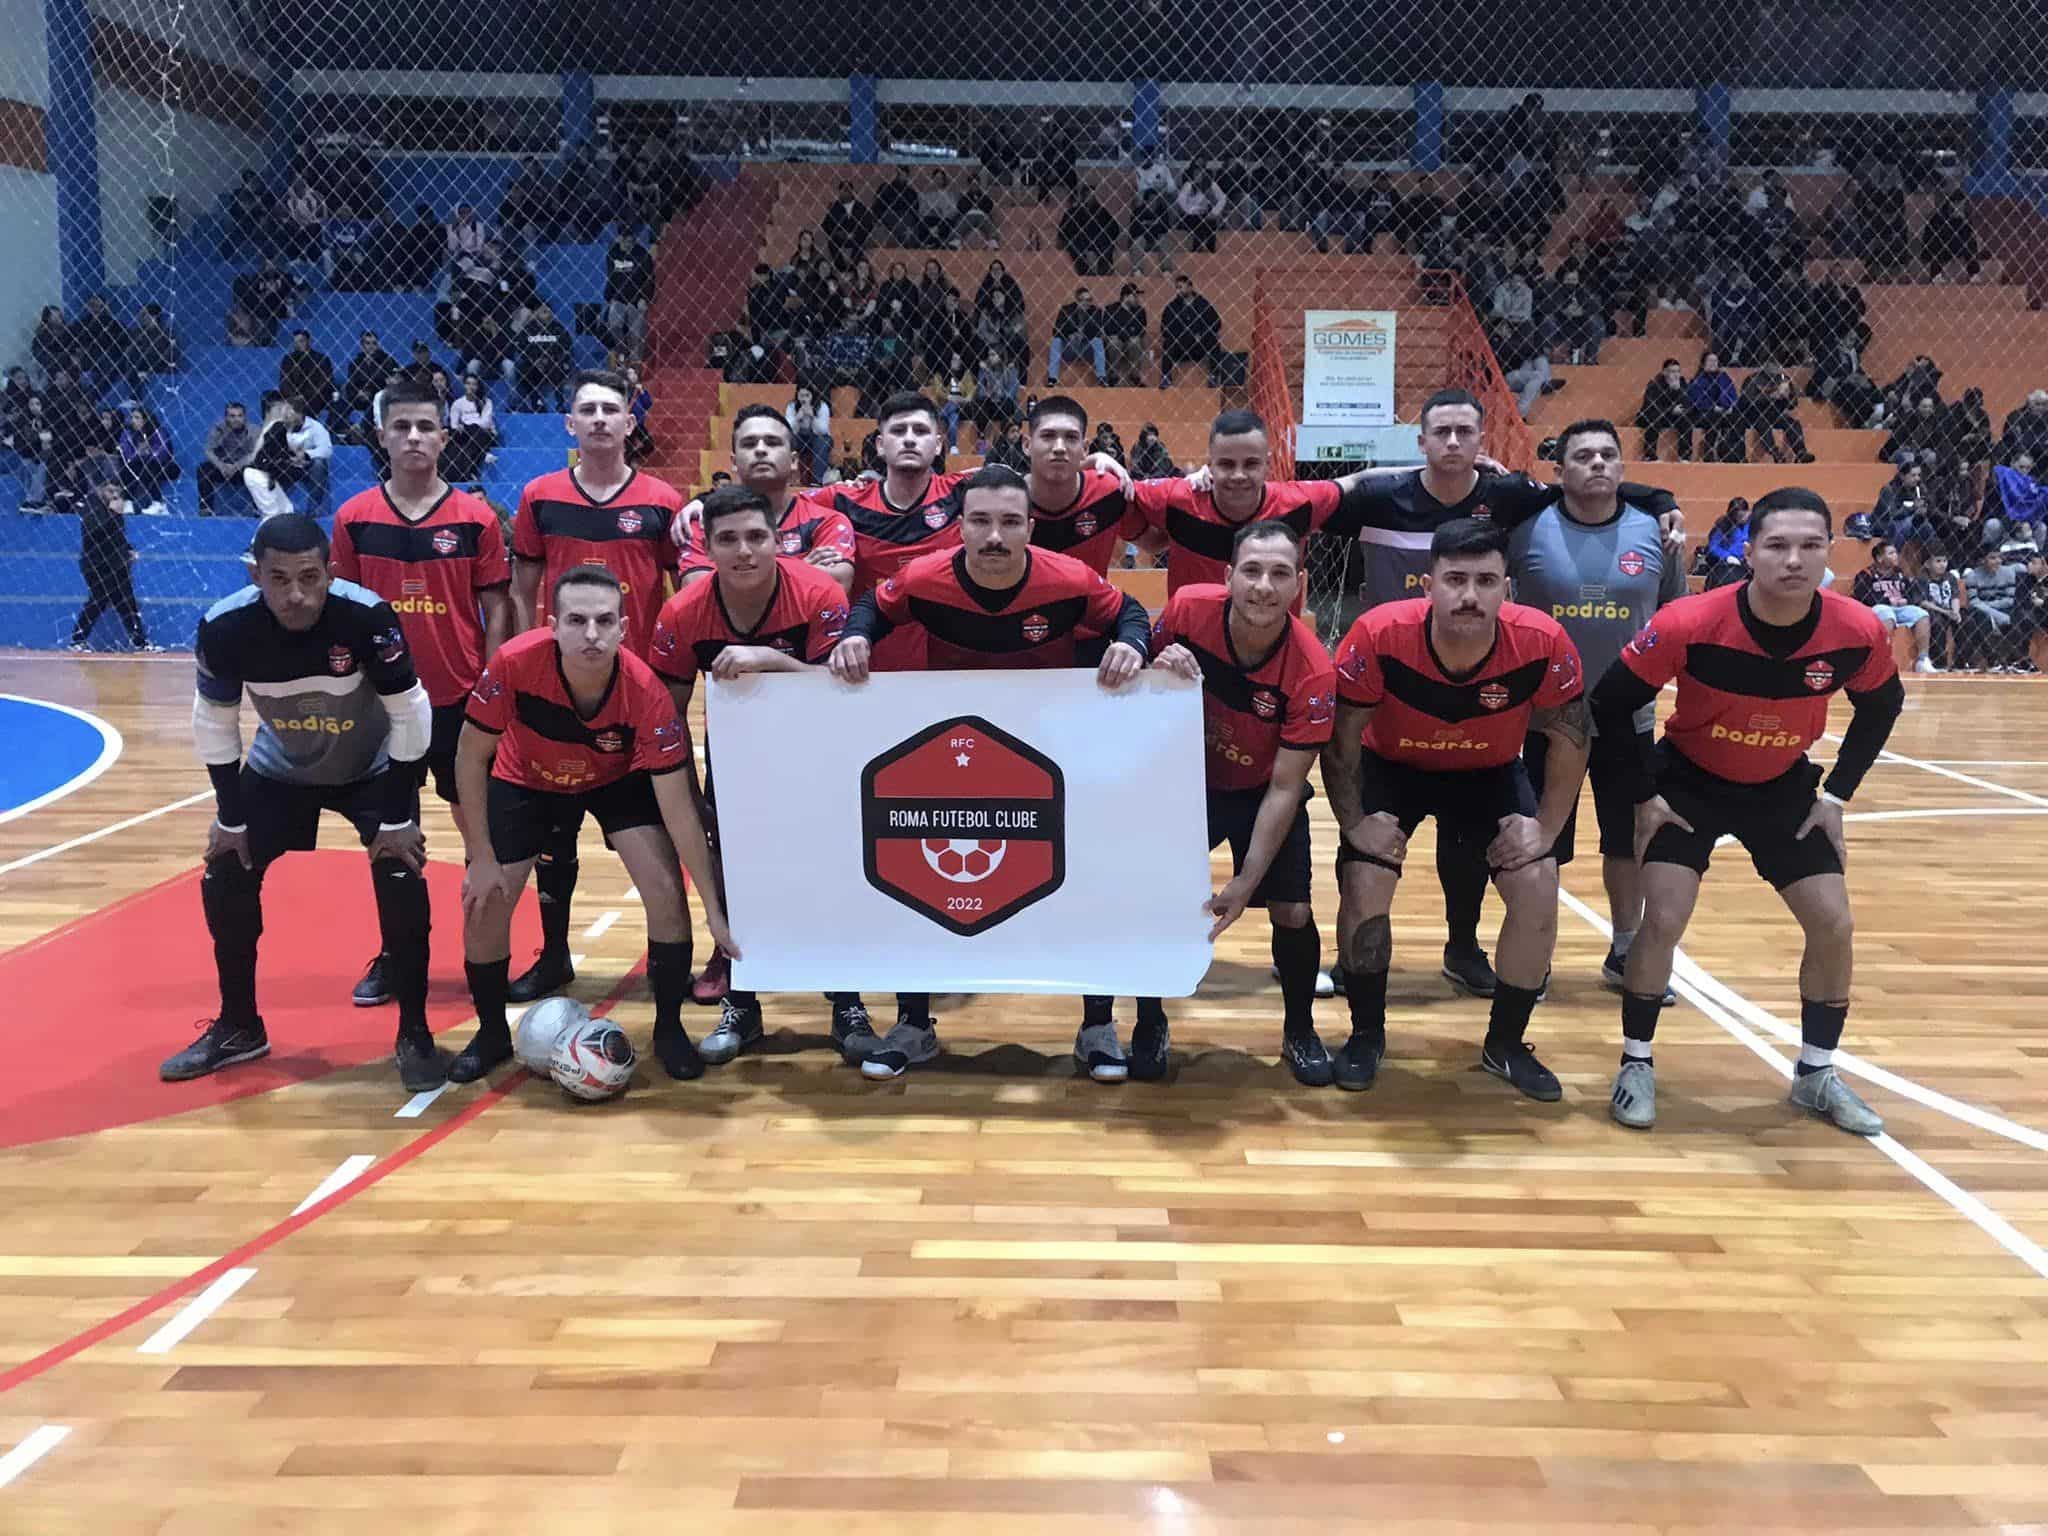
285 818
1609 769
1468 805
439 763
523 822
1232 814
1764 818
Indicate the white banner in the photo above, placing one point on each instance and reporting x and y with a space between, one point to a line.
1348 367
963 832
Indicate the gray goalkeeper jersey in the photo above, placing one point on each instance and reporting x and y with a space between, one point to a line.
1601 581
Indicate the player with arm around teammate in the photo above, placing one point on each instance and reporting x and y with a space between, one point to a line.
806 527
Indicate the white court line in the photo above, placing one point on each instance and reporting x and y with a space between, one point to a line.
632 893
40 1442
1889 756
1954 810
604 921
575 962
110 748
350 1169
416 1106
1987 762
195 1312
108 831
1965 1204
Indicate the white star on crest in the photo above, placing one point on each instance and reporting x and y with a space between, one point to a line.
962 759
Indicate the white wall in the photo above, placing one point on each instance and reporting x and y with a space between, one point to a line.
28 257
146 149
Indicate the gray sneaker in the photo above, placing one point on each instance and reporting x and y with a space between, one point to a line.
738 1027
1635 1095
910 1042
1824 1093
1098 1050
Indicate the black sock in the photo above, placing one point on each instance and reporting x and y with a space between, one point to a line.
914 1006
1366 992
555 879
1096 1009
1509 1021
1820 1024
742 1000
668 971
1462 871
232 898
1297 952
488 980
1151 1013
404 918
1639 1016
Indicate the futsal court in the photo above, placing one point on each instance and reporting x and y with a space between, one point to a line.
994 1296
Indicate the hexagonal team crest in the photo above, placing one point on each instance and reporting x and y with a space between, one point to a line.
446 541
964 823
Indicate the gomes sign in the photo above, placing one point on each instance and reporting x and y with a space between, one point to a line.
964 823
970 832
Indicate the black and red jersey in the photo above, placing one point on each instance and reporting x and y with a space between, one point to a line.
1431 718
1746 713
805 525
1199 537
627 533
887 537
430 570
1039 622
545 743
804 618
1251 706
1093 526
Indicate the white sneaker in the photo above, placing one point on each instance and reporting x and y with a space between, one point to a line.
1823 1093
1924 664
156 509
1634 1100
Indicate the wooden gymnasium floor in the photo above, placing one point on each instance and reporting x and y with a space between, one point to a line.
994 1299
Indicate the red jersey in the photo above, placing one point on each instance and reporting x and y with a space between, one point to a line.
1424 716
1040 622
1199 537
803 527
1251 708
544 743
804 619
886 537
429 569
1093 526
1746 713
628 534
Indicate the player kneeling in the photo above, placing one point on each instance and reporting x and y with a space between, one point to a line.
1443 689
1268 701
563 722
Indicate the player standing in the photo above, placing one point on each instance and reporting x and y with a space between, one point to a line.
1443 689
1756 663
437 556
995 604
757 612
1268 703
566 720
343 723
764 462
1076 508
601 513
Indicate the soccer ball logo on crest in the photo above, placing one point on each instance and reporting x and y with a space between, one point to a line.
964 860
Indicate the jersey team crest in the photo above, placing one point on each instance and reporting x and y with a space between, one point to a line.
446 541
792 543
1036 628
964 824
340 660
1494 695
1265 704
1085 525
935 517
629 520
609 741
1820 675
1631 562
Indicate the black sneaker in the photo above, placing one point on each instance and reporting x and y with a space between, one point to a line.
1612 970
222 1045
1307 1059
1528 1075
548 974
487 1051
1358 1062
371 992
1468 971
677 1055
421 1066
1151 1045
853 1032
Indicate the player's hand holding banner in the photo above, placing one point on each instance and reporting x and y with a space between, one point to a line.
963 832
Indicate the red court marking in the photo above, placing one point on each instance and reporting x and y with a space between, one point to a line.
127 983
177 1290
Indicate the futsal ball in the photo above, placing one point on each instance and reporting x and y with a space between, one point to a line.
593 1061
964 860
540 1027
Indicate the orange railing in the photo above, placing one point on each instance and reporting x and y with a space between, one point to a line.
1473 366
1266 391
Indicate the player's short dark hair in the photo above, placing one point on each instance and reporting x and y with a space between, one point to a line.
905 403
1448 397
585 576
731 501
1236 423
1058 405
757 412
1582 427
289 533
599 378
411 392
995 477
1265 528
1788 498
1466 536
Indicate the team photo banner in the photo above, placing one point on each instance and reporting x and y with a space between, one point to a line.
1348 367
962 832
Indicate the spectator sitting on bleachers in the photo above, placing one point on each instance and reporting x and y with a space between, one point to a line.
1993 588
99 344
53 348
2012 496
767 307
271 466
1728 540
467 234
492 352
366 372
1770 405
545 359
527 212
1665 409
1919 377
1088 233
241 329
848 226
938 211
810 426
1200 205
977 219
995 277
862 294
305 215
421 368
1839 379
1919 436
997 324
897 298
1968 429
1008 450
1322 199
147 464
230 449
31 437
1511 311
1152 210
2026 430
472 432
946 330
311 459
306 375
1714 405
14 398
1105 441
1149 459
1527 369
1941 594
1574 317
422 249
2029 612
628 288
891 365
1904 513
153 347
268 295
1190 331
1896 598
1123 338
896 209
1948 241
952 386
250 222
1078 327
996 382
1736 319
